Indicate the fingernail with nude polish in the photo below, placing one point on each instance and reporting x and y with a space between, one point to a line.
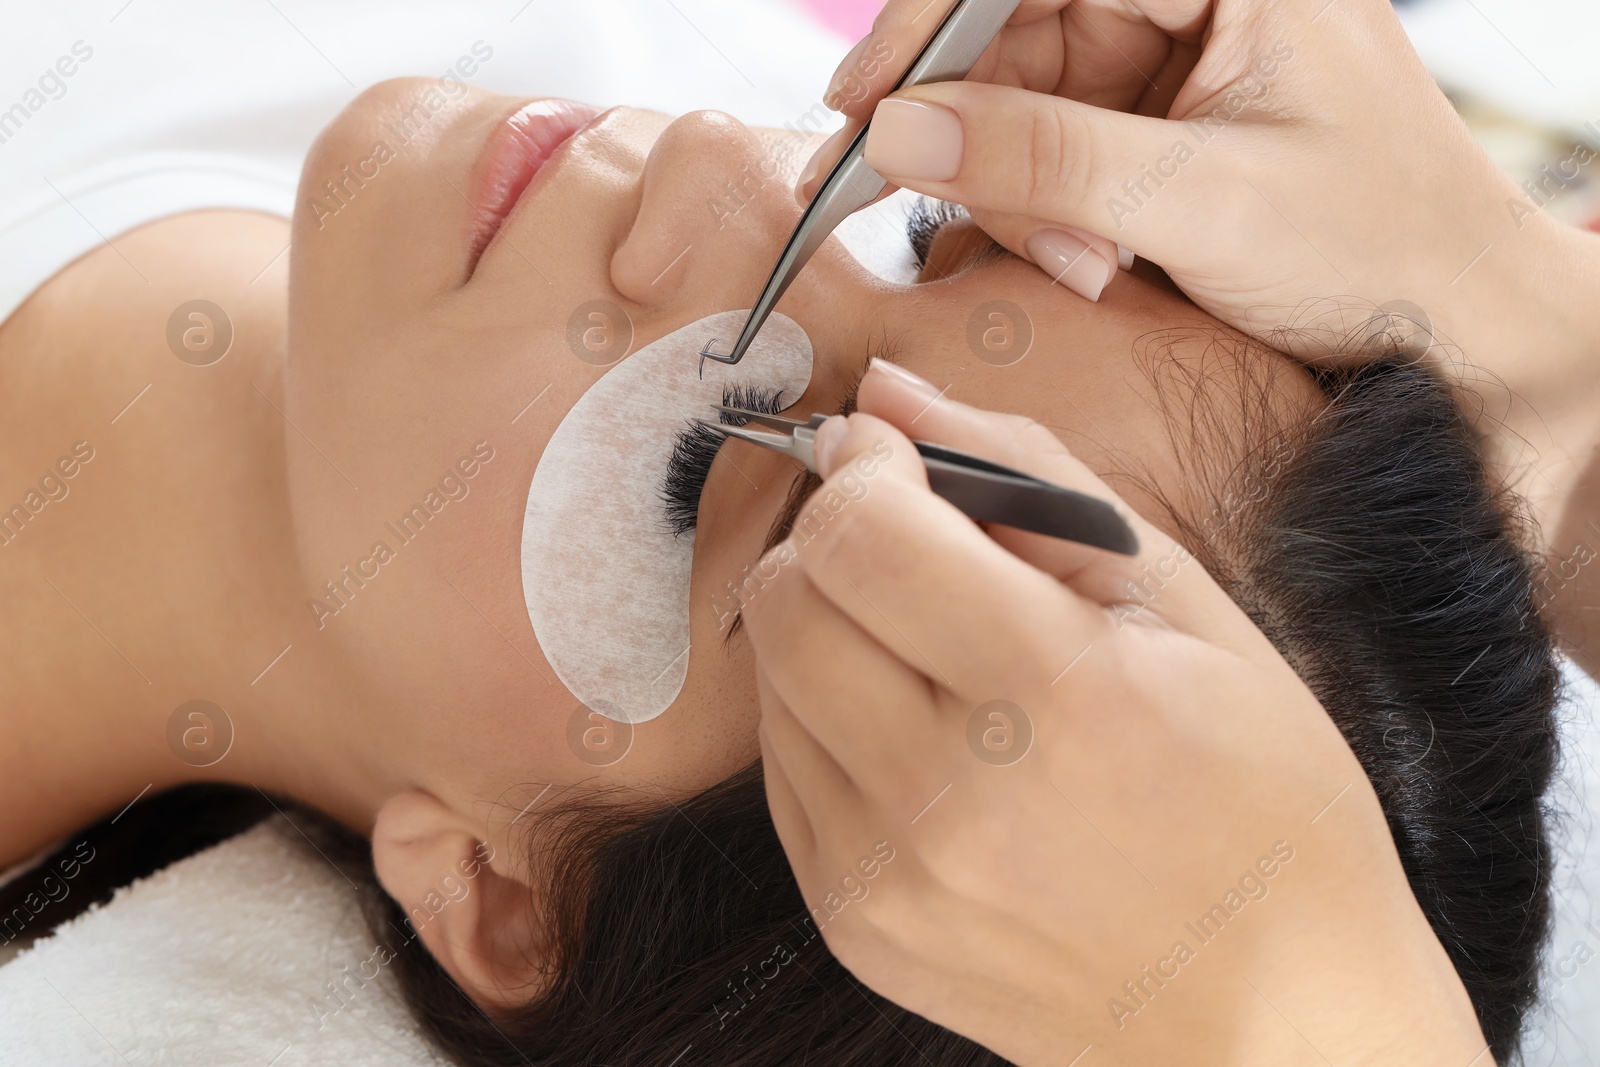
833 99
910 139
1124 258
1070 262
829 150
829 435
807 176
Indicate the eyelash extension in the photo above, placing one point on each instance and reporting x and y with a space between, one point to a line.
696 446
923 222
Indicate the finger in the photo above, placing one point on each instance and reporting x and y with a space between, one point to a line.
1072 257
1161 566
823 159
928 583
1118 50
1021 153
862 707
783 803
920 408
1026 54
826 155
879 59
822 809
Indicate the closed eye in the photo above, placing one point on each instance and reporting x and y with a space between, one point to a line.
696 447
927 219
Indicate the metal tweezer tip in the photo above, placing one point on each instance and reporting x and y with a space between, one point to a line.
707 353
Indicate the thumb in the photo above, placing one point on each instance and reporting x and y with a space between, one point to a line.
1015 152
1189 600
1070 256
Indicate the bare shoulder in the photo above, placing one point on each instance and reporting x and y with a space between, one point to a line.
148 359
119 318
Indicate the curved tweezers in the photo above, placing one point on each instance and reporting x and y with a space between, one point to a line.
851 185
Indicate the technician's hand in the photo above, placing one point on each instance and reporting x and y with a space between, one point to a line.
1302 154
1020 892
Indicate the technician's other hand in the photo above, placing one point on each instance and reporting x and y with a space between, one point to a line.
1005 787
1265 153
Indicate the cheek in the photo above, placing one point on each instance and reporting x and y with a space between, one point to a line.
711 730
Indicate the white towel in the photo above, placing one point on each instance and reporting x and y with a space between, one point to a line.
222 958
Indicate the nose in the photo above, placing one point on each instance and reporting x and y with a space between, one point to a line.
714 210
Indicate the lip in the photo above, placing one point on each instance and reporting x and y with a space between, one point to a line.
513 157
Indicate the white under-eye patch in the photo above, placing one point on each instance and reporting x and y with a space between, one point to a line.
605 581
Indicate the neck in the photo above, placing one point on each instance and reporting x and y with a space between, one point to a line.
156 625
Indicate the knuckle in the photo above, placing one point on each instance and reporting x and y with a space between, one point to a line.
875 936
1039 439
1025 427
961 860
1059 150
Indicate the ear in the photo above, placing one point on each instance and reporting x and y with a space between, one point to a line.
479 921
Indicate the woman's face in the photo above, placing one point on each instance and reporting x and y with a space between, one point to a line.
425 325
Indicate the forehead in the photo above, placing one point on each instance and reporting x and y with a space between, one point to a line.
1156 396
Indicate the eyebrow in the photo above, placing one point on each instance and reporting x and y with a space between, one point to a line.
804 484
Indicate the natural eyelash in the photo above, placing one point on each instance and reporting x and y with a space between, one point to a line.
923 222
696 446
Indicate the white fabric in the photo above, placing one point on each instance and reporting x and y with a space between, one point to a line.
1566 1028
222 958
